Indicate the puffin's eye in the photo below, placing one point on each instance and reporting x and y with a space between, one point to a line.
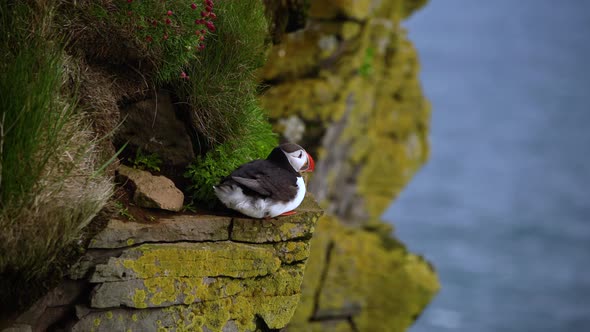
300 154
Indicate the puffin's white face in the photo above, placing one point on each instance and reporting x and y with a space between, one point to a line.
297 159
300 160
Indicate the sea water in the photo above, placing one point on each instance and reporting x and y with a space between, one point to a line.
502 209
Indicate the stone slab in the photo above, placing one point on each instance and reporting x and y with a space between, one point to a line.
210 259
177 228
167 291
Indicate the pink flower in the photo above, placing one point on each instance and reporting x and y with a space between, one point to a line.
149 39
165 36
212 16
184 76
169 13
193 6
204 14
208 8
168 21
210 26
129 1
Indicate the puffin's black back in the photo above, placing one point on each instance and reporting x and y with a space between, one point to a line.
275 177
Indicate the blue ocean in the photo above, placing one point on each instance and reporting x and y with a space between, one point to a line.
502 209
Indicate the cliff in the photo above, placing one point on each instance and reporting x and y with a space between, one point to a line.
347 86
168 109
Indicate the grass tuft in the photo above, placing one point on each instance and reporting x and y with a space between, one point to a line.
222 79
47 152
221 93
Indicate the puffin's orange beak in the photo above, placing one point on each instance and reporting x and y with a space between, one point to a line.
310 164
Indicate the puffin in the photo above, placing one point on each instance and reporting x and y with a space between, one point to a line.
266 188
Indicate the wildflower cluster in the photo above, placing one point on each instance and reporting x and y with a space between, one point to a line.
175 29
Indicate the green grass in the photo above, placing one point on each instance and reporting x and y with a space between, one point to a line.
48 189
221 93
256 143
123 211
150 162
222 81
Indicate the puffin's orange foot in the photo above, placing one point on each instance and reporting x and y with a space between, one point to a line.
288 213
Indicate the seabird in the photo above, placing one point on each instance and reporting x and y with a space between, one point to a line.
270 187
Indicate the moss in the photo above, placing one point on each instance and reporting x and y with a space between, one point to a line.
298 226
332 9
290 252
350 271
166 291
139 297
185 259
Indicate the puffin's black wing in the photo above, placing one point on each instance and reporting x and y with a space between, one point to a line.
252 184
266 179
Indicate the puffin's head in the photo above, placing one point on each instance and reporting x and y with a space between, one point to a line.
299 159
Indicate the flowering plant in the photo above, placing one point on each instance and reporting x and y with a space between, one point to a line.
174 29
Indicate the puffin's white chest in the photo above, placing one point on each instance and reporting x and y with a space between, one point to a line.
278 208
259 207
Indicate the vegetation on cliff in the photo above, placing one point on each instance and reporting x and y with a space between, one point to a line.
50 186
222 96
53 172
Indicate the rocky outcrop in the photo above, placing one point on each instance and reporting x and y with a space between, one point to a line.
152 191
360 280
347 86
352 77
186 272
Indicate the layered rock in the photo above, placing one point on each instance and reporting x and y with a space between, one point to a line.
186 272
233 274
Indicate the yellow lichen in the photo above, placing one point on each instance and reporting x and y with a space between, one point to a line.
358 272
139 298
199 260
